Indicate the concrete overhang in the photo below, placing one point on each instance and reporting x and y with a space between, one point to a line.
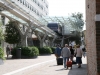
7 5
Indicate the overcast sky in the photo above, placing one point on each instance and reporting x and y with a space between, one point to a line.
65 7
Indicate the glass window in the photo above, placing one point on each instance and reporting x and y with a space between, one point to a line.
23 2
35 11
20 1
35 1
31 8
38 4
26 4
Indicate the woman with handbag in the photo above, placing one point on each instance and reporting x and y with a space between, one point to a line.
78 53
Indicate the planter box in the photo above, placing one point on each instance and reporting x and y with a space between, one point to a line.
1 62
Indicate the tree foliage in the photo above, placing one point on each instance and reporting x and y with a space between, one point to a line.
12 35
76 20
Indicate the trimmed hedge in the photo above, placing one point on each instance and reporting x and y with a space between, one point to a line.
45 50
33 51
26 51
30 51
13 51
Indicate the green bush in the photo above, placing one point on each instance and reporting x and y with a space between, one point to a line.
30 51
53 49
13 51
26 51
45 50
1 54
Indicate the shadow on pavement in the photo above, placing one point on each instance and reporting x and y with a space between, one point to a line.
53 65
60 69
75 70
78 71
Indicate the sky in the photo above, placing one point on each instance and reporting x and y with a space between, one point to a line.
66 7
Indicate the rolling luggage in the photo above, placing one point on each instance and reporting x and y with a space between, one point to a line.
69 64
59 61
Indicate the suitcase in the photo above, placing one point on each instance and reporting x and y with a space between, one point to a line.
69 64
59 61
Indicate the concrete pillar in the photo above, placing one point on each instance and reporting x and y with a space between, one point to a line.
24 36
62 42
41 38
52 41
93 36
98 35
24 41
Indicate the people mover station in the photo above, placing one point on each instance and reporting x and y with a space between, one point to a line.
35 26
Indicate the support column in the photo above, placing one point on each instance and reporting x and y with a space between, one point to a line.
62 42
24 36
46 41
24 41
41 39
93 37
52 41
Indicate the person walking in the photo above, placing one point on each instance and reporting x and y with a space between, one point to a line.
72 53
78 53
58 51
65 54
7 50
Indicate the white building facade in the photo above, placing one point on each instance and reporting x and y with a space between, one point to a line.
35 8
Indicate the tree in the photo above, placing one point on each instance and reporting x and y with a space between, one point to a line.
1 31
12 35
76 21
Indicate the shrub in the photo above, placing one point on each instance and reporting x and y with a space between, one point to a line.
30 51
1 54
45 50
26 51
53 49
13 51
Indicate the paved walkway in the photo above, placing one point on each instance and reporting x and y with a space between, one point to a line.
43 65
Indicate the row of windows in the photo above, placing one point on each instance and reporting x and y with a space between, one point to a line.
29 6
41 6
46 4
38 4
